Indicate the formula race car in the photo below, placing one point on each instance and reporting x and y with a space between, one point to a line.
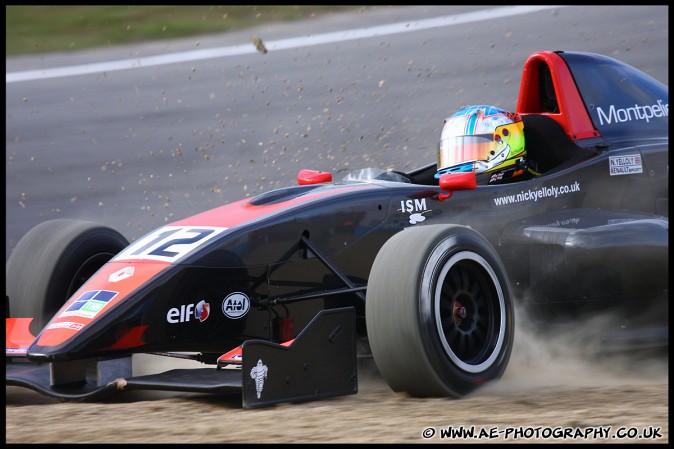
275 294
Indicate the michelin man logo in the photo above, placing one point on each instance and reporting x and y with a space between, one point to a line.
259 373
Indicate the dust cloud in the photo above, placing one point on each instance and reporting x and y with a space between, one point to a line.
574 358
558 359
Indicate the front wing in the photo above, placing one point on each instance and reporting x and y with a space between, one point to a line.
320 363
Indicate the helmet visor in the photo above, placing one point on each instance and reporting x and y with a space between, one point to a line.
460 149
480 147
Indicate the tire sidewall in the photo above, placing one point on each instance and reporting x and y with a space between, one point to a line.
92 246
43 267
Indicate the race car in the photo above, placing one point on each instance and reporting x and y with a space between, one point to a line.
280 294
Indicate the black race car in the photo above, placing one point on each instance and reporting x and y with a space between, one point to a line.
275 293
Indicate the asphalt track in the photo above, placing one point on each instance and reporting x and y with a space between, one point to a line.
139 147
136 137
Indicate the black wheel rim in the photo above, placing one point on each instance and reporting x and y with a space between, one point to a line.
469 309
85 271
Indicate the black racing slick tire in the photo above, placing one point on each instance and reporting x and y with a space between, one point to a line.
439 312
52 261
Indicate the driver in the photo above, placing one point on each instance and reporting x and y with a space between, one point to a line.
486 140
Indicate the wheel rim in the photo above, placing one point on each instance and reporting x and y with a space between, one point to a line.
469 312
85 271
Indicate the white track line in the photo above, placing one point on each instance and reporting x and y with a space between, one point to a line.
283 44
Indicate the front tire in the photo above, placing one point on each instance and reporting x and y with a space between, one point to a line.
52 261
439 311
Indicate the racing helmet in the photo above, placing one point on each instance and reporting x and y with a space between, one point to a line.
486 140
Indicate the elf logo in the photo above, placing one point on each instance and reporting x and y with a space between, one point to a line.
235 305
199 311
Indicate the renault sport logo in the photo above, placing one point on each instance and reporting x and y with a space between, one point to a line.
122 274
235 305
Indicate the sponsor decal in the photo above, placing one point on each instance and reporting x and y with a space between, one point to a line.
235 357
625 165
170 243
496 177
619 220
235 305
66 325
637 112
199 311
538 193
16 350
122 274
259 374
89 303
566 222
202 311
416 208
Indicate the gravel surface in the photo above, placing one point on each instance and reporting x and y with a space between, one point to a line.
547 390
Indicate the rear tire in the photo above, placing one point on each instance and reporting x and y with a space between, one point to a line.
439 311
52 261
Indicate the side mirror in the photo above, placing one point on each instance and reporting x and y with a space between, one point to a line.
451 182
308 177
